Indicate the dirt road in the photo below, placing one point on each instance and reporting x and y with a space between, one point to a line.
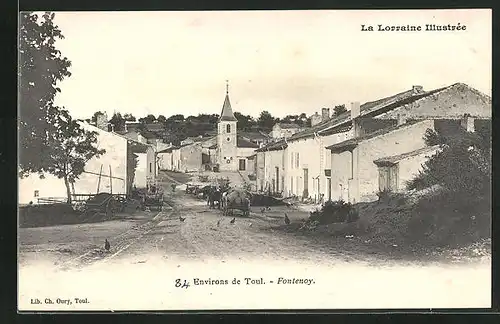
204 234
151 250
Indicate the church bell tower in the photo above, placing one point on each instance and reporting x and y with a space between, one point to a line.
227 136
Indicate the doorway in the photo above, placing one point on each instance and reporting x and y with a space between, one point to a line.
329 188
277 179
388 178
306 183
242 165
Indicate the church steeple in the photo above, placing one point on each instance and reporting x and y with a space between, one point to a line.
227 112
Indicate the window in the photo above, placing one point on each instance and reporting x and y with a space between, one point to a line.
297 160
150 167
291 160
36 193
228 128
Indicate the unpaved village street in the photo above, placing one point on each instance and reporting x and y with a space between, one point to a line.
150 249
197 237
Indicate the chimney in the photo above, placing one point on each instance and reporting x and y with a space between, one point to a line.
467 122
315 119
102 121
417 89
401 119
325 114
355 111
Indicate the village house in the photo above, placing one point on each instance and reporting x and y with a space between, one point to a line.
311 170
112 172
164 158
284 130
271 166
386 158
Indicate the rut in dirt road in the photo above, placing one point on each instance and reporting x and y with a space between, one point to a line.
119 244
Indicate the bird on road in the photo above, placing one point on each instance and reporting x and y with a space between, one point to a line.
233 220
287 220
263 210
268 208
107 246
218 222
182 219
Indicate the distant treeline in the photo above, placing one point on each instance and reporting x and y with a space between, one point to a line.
178 127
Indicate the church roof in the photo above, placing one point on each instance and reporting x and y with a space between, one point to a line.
227 111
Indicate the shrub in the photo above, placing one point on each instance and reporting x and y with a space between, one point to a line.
334 212
463 169
392 198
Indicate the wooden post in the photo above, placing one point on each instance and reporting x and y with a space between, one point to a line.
99 181
110 181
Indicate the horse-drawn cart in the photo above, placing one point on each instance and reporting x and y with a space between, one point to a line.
153 198
236 199
105 203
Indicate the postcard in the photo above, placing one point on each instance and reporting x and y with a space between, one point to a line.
254 160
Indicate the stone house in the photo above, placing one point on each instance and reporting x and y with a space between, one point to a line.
312 170
165 159
284 130
271 163
115 168
380 157
189 157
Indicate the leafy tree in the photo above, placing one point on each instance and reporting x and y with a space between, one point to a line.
118 122
245 122
71 148
50 140
175 118
161 119
94 116
149 119
463 166
41 67
266 121
339 109
129 117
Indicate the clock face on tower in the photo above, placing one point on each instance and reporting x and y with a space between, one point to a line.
228 139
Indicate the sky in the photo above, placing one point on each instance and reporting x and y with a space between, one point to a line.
285 62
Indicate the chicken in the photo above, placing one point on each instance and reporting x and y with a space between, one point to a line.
233 220
182 219
268 208
263 210
107 246
218 222
287 220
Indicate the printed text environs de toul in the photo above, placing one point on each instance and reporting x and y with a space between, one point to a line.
183 283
